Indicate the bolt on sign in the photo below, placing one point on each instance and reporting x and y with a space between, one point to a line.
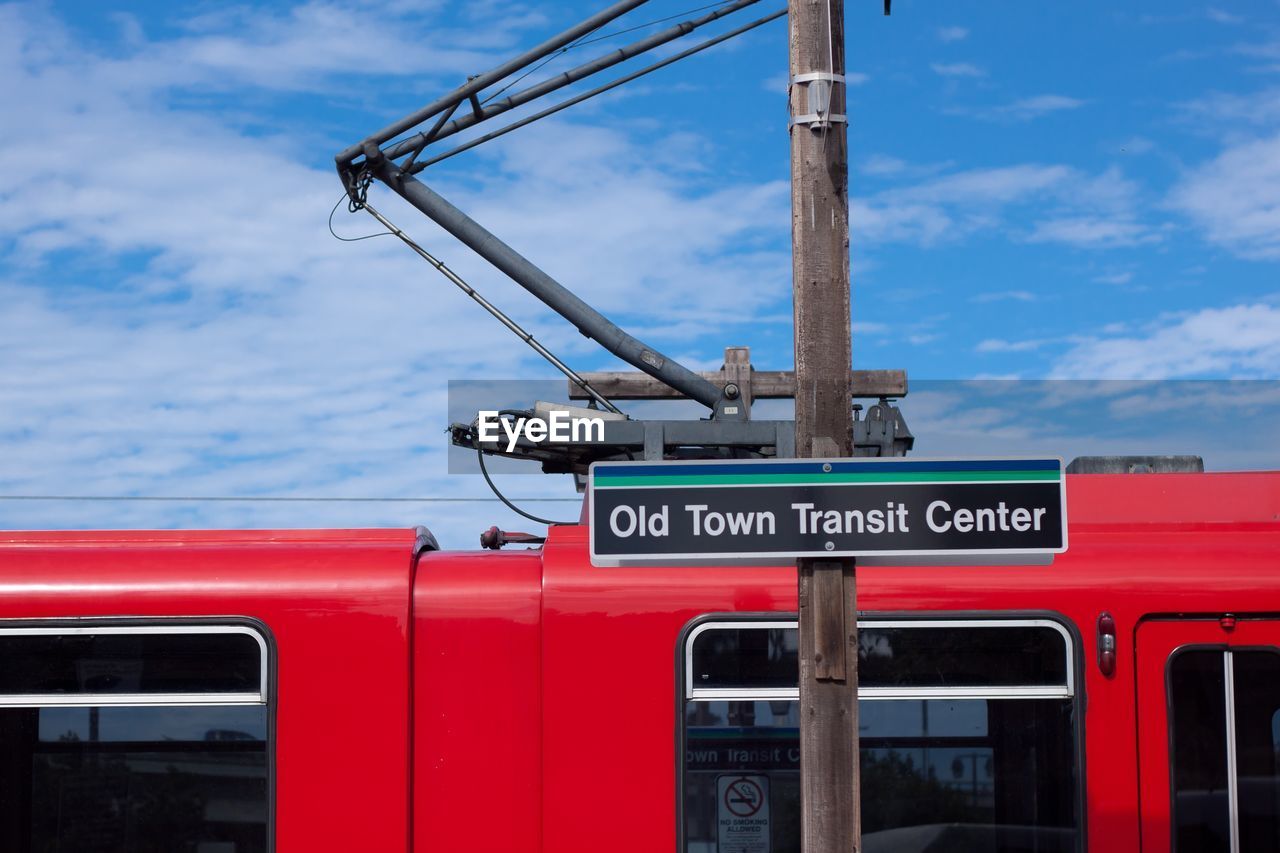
882 511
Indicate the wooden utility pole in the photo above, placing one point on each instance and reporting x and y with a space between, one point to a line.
829 789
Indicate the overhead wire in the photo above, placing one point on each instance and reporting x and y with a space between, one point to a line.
495 312
550 57
599 90
649 24
583 41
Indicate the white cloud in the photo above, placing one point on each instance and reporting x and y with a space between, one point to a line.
1092 232
1268 51
952 34
1062 418
1088 211
1222 16
1241 341
957 69
1021 110
1136 145
999 345
1001 185
1240 399
1114 278
181 315
1034 107
1235 198
1215 110
304 47
901 171
880 164
1005 295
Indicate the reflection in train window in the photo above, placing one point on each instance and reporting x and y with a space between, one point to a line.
890 655
95 767
964 772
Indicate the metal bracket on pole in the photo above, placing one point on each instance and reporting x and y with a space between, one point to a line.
819 88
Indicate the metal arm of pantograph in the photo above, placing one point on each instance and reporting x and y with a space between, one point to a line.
396 154
374 158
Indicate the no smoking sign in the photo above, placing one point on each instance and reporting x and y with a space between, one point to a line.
742 814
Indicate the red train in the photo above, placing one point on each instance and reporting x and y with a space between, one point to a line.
350 690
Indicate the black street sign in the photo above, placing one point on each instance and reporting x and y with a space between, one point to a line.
883 511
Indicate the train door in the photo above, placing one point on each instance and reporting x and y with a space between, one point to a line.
1209 735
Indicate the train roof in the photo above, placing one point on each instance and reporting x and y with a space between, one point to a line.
1238 501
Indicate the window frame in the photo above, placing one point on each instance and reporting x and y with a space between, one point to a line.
693 692
685 692
268 679
86 700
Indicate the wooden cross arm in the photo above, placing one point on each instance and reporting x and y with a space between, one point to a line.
765 384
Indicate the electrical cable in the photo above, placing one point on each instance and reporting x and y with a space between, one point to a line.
561 52
600 38
503 498
485 471
341 198
494 312
583 41
599 90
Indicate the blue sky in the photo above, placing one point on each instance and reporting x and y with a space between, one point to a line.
1068 191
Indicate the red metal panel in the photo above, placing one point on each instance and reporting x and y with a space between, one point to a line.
337 605
1138 545
545 707
1135 501
477 703
609 672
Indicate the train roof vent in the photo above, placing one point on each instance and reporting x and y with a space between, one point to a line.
1136 465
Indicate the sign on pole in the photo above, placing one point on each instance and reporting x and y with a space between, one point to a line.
882 511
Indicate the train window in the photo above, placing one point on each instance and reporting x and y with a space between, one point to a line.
1224 705
112 662
1257 702
134 739
961 750
890 655
1198 753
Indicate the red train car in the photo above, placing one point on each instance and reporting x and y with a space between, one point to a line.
346 690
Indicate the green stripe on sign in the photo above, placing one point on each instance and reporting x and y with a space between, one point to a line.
828 479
